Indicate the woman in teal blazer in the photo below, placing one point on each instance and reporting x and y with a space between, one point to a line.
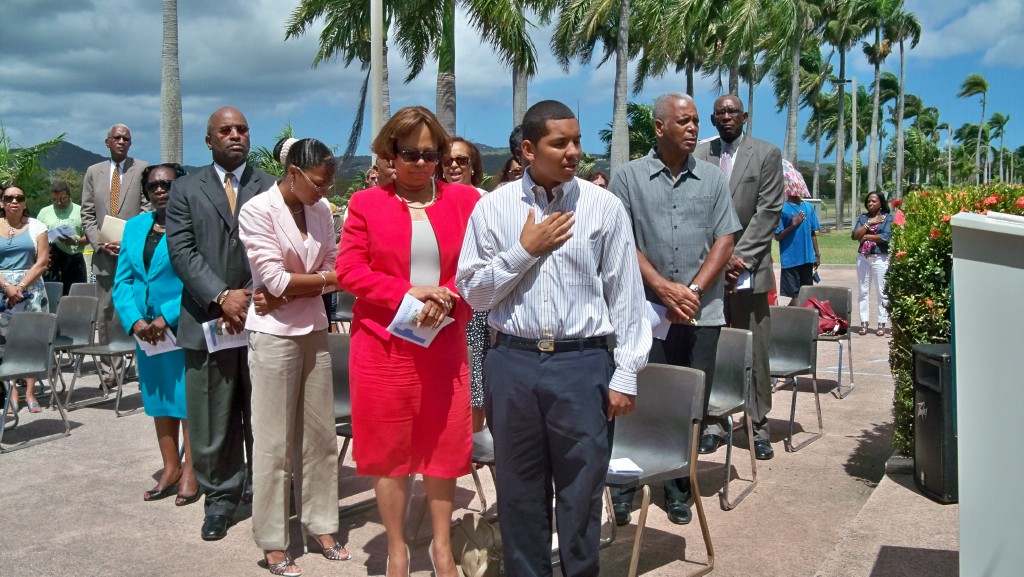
147 296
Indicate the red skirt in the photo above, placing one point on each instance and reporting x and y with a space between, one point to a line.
410 405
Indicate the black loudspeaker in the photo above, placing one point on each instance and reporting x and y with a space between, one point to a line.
935 456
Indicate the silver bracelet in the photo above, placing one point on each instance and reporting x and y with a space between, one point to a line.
323 277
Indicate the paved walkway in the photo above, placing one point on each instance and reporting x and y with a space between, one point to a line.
74 506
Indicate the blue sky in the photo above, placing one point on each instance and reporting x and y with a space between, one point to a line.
67 66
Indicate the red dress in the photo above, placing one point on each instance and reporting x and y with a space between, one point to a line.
410 405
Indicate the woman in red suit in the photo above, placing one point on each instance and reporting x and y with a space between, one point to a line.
410 404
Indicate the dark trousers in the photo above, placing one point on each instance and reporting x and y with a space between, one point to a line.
217 391
685 346
748 310
547 413
66 268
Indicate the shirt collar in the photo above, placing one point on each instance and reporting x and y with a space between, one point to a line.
735 144
221 171
656 166
539 193
120 165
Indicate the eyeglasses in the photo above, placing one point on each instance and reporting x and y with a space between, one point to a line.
153 185
226 130
728 112
322 190
460 160
14 198
414 156
516 171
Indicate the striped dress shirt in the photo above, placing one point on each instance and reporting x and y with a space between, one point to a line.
589 286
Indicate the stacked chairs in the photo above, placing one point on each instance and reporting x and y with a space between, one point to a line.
29 354
731 393
841 300
793 351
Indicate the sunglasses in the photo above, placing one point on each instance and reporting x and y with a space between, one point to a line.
14 198
152 186
322 190
414 156
460 160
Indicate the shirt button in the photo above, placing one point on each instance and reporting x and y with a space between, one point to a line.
233 242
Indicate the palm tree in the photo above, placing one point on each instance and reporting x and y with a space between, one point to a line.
846 21
998 122
901 27
581 24
804 22
811 73
641 130
976 84
949 153
876 53
684 34
170 88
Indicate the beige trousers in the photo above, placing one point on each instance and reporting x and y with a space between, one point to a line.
294 436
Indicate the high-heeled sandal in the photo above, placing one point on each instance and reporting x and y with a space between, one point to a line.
282 567
408 556
433 564
333 553
863 329
881 330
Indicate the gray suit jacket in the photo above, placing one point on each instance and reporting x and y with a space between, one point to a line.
202 241
758 192
96 205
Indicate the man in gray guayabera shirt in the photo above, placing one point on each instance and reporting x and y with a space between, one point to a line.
683 222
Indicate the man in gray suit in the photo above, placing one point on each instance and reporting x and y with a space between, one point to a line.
112 187
754 170
202 240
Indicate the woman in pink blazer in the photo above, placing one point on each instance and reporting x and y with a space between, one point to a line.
288 234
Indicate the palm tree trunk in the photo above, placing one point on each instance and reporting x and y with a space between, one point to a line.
880 174
977 146
1002 137
446 70
689 78
750 93
170 88
815 178
792 120
385 92
899 123
620 125
872 159
949 159
734 79
519 87
841 140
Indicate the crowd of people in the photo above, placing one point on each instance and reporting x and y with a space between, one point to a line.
536 291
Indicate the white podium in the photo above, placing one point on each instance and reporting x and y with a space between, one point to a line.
988 337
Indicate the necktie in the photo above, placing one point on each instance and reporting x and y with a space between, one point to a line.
726 161
115 189
229 190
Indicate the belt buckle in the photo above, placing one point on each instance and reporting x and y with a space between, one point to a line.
546 345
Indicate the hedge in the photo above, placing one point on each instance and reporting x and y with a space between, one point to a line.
918 281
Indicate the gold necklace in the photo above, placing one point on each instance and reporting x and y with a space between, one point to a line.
423 205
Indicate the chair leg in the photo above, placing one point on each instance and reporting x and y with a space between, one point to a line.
79 359
842 392
821 429
725 503
606 541
479 488
121 377
641 522
8 391
54 436
701 517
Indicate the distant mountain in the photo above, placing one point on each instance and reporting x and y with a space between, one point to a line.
67 155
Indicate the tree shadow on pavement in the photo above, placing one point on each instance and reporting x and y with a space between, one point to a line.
867 461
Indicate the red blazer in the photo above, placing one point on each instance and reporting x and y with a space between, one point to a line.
373 260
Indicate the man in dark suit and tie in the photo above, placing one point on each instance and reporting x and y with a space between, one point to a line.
754 170
112 187
202 240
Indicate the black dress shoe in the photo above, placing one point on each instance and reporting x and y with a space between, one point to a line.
622 513
709 444
679 512
763 450
215 527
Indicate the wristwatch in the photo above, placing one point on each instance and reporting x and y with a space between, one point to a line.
223 296
696 288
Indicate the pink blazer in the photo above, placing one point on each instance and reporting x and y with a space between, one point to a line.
373 263
275 249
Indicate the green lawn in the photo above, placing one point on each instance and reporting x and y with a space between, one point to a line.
836 248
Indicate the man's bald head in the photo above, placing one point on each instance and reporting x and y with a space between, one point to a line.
227 135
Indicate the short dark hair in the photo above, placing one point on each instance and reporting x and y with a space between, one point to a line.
59 186
598 174
476 163
310 152
535 123
515 142
881 200
179 171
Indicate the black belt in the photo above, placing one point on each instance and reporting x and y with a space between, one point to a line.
551 345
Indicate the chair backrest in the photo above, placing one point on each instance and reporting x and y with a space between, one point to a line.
117 338
840 298
83 289
339 347
76 318
794 335
658 435
344 308
29 348
54 292
734 359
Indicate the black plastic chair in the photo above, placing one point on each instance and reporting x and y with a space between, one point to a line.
661 437
841 301
120 345
730 394
83 289
339 347
793 351
343 312
30 355
76 324
54 292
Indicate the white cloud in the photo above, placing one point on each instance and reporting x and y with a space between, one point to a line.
992 28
